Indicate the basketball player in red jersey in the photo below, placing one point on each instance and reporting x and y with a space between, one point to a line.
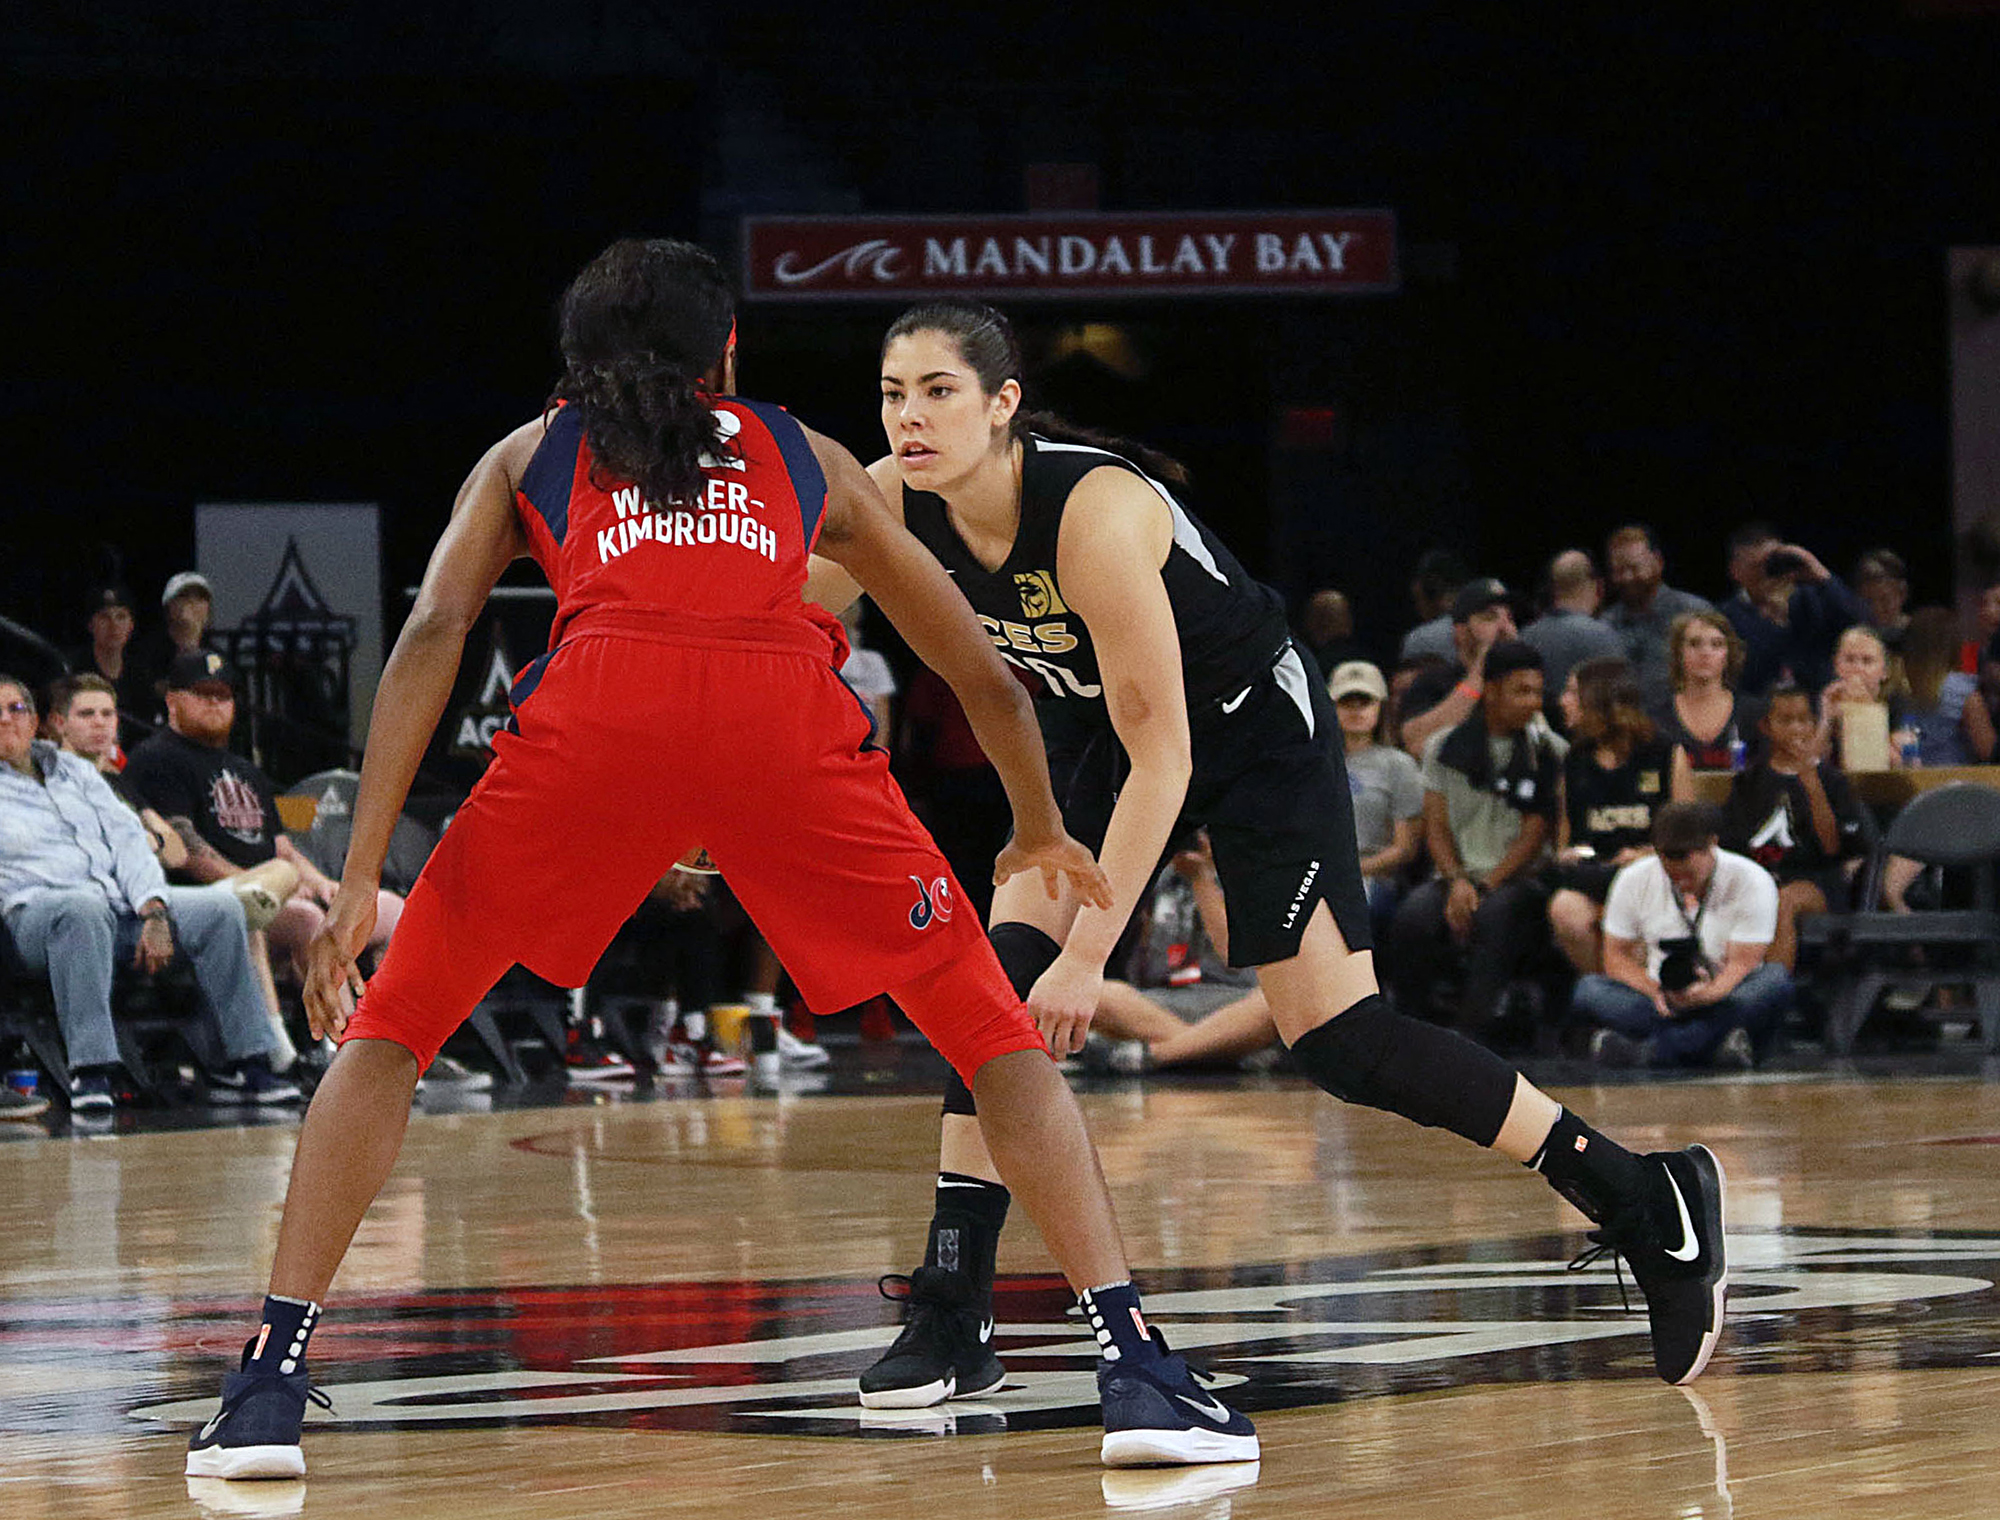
688 698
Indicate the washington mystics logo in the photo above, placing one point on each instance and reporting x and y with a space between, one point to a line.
933 902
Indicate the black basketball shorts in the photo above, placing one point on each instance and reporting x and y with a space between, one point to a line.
1269 785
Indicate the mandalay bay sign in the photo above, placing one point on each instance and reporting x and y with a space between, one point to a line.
1070 255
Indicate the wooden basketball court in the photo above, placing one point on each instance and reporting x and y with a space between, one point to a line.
629 1308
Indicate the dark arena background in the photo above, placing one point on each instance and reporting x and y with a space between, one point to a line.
278 275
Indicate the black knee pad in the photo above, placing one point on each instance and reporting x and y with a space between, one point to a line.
1025 952
1374 1056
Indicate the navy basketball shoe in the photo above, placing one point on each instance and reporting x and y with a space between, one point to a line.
255 1434
1160 1413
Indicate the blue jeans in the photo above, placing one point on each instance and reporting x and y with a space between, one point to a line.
79 939
1760 1000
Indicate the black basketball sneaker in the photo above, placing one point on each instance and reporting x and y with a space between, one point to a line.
945 1350
1675 1247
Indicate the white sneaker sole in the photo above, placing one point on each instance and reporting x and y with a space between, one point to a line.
1175 1448
920 1397
247 1462
928 1394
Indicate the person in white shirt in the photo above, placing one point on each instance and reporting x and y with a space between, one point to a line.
1685 982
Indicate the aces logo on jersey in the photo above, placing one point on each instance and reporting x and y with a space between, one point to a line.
1038 595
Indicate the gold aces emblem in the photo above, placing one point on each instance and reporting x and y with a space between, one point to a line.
1038 595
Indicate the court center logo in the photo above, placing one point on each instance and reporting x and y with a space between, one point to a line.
782 1357
933 902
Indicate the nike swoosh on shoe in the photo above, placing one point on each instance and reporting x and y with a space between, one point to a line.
1689 1247
1208 1409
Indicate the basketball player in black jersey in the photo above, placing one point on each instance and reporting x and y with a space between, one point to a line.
1173 698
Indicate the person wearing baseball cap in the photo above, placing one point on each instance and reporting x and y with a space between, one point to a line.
1387 786
108 614
186 606
1482 614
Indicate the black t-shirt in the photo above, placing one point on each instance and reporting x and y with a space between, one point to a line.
232 803
1713 754
1769 818
140 710
1612 810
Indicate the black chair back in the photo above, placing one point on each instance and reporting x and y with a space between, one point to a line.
1954 825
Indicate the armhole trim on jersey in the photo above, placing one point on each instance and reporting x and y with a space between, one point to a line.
1187 537
801 463
551 473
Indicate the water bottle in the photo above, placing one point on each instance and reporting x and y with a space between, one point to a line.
1909 749
1738 750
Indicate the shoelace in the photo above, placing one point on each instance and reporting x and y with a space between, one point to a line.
1604 1243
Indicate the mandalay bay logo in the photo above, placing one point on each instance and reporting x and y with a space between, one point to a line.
781 1357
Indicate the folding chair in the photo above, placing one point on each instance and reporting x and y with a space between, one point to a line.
1872 951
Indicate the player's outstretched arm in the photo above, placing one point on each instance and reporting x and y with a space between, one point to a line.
861 536
481 540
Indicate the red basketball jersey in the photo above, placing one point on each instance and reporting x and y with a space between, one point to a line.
729 564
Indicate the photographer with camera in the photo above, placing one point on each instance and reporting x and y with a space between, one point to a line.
1685 982
1789 610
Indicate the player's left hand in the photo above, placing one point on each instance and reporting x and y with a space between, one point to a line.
1063 1001
333 971
1061 859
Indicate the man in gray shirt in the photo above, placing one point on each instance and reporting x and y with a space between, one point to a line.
1569 632
79 886
1644 608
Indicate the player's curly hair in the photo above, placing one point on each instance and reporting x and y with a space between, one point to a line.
986 340
641 325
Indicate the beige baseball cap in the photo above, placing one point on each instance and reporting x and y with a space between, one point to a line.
1357 677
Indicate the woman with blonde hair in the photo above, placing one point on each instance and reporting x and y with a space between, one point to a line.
1706 716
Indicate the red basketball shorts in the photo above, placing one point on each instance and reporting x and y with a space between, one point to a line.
627 754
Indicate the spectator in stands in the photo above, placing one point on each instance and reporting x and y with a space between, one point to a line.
1643 608
80 888
186 607
1796 816
1861 675
1789 609
83 719
86 724
1617 775
1951 726
1707 716
1686 980
1388 790
1882 581
110 654
1482 615
1434 588
1491 787
225 808
1569 632
1327 626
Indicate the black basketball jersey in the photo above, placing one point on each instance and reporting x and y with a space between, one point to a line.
1231 627
1612 810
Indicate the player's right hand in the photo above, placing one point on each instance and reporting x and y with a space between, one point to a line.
1061 860
333 972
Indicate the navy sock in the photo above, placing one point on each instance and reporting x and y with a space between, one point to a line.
1113 1312
280 1346
1598 1175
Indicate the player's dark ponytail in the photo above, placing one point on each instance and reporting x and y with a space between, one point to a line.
641 325
986 341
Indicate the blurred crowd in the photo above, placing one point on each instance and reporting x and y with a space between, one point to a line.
1541 867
